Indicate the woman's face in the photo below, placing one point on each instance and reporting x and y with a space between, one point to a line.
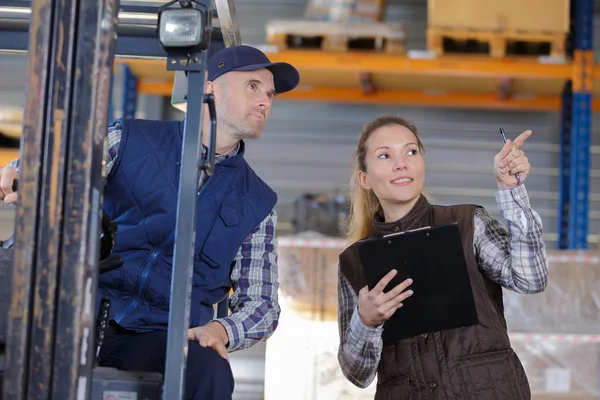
395 169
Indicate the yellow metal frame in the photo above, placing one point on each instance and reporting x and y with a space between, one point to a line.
386 72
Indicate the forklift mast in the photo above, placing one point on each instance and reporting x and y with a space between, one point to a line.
71 46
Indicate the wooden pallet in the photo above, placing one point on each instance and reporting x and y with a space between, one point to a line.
336 36
496 44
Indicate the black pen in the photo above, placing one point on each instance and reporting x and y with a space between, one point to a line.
504 138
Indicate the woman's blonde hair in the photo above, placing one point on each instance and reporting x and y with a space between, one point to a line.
363 203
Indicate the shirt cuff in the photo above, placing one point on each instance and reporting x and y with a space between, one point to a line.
359 332
235 332
15 164
511 199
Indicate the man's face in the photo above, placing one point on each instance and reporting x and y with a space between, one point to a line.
243 102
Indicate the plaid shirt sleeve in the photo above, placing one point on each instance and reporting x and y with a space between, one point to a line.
512 256
254 304
114 139
15 164
360 345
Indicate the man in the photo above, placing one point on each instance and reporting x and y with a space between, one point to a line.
235 230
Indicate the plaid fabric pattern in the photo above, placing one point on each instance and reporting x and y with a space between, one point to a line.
514 256
254 304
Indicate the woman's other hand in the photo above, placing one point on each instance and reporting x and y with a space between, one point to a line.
375 307
511 160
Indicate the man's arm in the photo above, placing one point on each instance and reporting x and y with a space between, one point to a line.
11 171
515 258
360 345
114 140
254 303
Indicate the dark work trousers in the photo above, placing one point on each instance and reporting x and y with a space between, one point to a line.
208 376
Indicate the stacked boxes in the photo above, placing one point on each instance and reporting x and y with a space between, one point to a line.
500 15
499 27
345 10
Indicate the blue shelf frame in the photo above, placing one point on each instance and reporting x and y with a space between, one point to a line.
576 127
564 167
130 92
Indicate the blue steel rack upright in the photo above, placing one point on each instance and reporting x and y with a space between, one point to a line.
576 126
130 91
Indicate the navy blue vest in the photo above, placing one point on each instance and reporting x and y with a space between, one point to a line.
141 196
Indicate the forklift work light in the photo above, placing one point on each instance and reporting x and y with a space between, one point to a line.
181 27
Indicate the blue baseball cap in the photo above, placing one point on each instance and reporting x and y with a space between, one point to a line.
247 58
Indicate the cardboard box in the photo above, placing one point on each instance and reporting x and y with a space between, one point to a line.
308 274
520 15
345 10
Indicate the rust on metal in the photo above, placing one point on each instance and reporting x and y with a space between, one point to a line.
37 75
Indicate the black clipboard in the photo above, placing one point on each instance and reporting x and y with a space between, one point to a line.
434 259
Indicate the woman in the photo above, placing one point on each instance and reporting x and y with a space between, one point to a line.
474 362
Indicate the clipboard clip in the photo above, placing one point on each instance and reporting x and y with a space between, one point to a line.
408 231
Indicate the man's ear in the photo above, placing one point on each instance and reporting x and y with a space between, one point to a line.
210 87
363 180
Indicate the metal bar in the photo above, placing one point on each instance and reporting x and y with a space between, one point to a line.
130 91
579 180
50 217
582 124
564 166
126 47
75 338
313 60
185 238
32 142
584 24
111 105
137 36
228 21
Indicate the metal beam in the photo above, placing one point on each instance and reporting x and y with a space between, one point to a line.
401 64
84 183
30 186
136 33
192 170
130 91
50 341
581 125
399 97
564 171
50 215
227 17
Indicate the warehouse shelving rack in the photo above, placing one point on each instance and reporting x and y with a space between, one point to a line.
565 86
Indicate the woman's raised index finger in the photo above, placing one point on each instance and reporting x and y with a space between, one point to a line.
518 142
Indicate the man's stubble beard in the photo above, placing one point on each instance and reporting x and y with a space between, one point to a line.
243 130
